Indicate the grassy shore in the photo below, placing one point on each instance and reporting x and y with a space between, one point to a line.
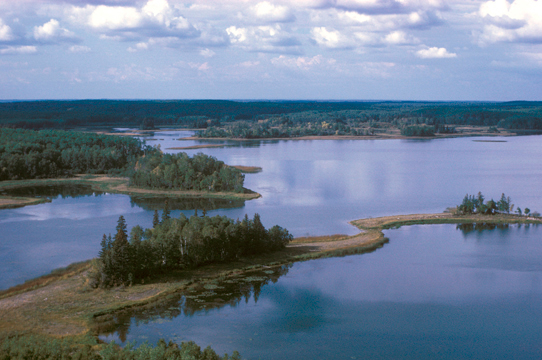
62 304
103 183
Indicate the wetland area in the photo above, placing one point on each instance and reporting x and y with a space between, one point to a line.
429 291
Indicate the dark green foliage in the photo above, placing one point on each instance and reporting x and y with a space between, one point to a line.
205 113
27 154
165 213
155 219
45 348
182 243
179 171
147 124
418 130
475 205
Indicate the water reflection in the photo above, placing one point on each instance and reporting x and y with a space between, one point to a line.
52 191
198 298
157 203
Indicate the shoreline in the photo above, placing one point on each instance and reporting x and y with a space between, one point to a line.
61 304
110 184
341 137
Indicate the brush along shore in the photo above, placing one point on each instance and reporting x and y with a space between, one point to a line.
62 303
110 184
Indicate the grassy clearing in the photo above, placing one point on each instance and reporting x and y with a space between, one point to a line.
248 169
11 202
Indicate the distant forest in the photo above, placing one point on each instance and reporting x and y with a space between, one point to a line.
213 113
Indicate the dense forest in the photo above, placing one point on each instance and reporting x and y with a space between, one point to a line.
47 348
27 154
200 172
174 244
30 154
206 113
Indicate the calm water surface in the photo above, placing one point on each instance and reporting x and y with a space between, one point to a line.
433 292
309 187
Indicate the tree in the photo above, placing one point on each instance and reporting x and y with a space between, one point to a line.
155 219
527 211
165 214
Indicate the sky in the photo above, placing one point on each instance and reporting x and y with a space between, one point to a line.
238 49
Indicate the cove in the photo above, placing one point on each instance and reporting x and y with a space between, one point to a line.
434 291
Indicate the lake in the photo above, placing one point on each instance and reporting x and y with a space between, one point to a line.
310 187
432 292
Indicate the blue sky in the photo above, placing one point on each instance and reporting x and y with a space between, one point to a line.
307 49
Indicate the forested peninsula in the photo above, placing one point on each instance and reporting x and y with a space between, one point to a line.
109 163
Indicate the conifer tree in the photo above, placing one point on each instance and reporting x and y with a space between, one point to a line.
165 214
155 219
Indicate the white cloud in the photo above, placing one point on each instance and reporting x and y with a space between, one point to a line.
331 39
519 21
303 63
155 19
207 53
52 32
139 46
6 34
268 13
435 53
263 39
22 50
79 49
400 38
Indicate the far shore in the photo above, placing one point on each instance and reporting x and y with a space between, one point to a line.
110 184
61 304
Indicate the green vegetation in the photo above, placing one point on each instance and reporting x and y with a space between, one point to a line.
27 154
42 348
475 205
202 114
175 244
179 171
418 130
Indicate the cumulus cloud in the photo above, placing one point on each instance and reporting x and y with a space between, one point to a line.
304 63
270 13
435 53
331 38
79 49
400 38
207 53
21 50
263 39
6 34
374 7
52 32
518 21
155 19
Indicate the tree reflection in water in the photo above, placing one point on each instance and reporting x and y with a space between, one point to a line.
199 297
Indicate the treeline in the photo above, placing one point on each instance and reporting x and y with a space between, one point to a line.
45 348
200 172
476 204
174 244
27 154
205 113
